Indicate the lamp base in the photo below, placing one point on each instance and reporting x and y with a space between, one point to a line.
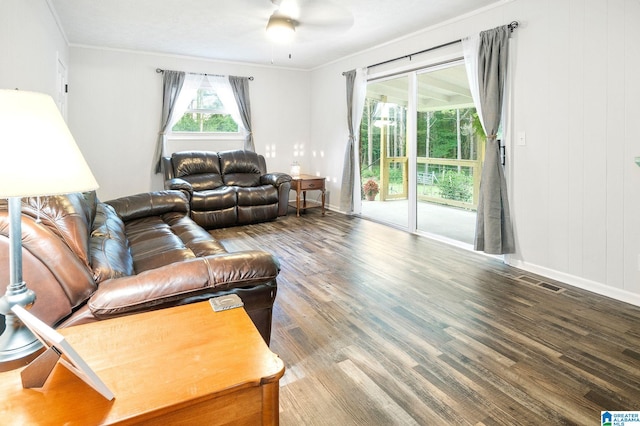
18 345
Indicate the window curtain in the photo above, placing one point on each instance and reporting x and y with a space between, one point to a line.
240 88
222 86
179 89
172 82
356 93
486 58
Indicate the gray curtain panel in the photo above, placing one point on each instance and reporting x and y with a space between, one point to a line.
240 87
494 232
172 82
348 172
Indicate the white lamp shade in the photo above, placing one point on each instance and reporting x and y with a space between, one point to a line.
38 155
280 28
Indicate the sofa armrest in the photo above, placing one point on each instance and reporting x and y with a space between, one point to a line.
150 204
282 182
167 168
276 179
181 280
179 184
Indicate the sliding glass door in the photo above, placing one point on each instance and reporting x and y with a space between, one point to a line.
449 147
383 152
427 167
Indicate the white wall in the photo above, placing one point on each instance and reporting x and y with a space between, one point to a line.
30 45
115 101
577 86
575 190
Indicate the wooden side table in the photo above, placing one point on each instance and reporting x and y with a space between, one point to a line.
304 183
182 365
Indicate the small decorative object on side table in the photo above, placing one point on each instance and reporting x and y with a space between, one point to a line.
303 183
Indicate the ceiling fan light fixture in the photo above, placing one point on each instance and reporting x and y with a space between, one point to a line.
281 28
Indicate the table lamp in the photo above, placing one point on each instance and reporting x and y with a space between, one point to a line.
38 156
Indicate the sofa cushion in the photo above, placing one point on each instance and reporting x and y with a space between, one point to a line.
240 168
257 195
173 237
194 237
153 244
66 216
256 214
200 168
214 199
216 218
110 255
60 279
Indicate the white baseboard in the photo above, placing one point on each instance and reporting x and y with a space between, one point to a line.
582 283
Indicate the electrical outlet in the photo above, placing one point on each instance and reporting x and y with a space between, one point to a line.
522 138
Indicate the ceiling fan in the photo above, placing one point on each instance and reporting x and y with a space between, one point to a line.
311 16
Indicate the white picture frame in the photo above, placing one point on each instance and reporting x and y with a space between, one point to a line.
66 355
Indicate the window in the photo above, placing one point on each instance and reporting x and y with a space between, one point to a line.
206 114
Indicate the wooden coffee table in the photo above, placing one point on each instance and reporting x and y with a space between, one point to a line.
186 365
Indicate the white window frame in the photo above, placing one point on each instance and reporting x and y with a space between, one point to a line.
207 136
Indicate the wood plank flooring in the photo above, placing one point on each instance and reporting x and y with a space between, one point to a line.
380 327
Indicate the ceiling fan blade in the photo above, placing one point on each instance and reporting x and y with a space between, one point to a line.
327 14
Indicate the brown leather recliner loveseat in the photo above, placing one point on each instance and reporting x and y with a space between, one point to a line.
87 260
228 188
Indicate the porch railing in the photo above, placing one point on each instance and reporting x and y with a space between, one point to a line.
400 190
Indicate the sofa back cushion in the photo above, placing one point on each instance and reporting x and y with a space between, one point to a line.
240 168
200 168
67 216
54 254
110 254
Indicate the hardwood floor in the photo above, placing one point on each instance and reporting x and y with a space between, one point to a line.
378 327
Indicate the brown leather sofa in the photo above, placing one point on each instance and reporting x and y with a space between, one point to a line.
87 260
228 188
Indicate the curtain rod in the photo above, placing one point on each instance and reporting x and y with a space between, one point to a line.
160 70
512 26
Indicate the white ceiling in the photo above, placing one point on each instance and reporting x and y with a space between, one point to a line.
234 30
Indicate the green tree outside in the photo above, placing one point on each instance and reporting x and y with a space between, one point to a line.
446 134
